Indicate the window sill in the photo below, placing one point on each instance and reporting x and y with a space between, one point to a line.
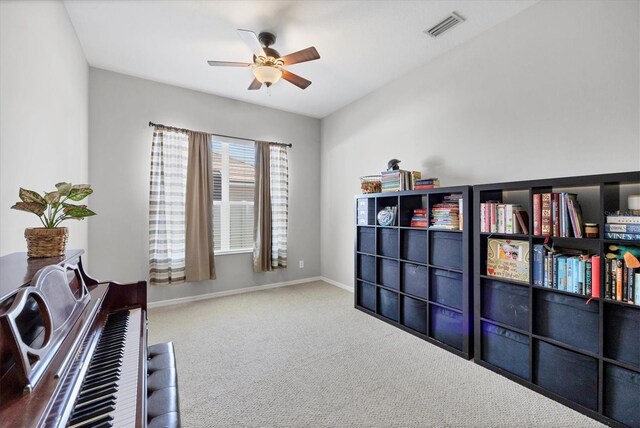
224 253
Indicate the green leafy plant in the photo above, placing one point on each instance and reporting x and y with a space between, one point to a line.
53 208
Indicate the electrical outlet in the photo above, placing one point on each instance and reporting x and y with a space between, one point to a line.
301 264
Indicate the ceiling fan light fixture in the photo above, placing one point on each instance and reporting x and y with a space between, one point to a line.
267 75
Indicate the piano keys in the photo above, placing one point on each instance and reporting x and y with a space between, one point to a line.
73 351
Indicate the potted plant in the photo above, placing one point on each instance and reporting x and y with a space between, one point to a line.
52 208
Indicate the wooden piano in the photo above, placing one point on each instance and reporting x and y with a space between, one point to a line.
73 350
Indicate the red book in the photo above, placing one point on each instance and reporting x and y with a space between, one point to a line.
545 218
537 214
595 276
424 186
619 280
523 221
555 206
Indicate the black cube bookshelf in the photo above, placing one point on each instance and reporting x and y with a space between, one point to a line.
581 351
416 278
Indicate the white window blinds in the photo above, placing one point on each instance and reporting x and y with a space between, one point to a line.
233 172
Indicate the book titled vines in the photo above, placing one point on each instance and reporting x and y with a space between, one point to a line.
508 259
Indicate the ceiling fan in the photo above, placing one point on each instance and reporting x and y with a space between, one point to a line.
267 63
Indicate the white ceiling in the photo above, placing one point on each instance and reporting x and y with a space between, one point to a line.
363 44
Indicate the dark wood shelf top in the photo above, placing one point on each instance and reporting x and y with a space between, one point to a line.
507 280
567 293
562 182
448 269
505 235
414 262
449 308
621 303
435 190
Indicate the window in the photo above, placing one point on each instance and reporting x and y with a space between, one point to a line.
233 172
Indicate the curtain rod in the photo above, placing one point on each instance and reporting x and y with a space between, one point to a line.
211 133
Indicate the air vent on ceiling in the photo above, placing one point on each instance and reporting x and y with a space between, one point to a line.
444 25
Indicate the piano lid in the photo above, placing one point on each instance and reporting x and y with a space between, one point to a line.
17 270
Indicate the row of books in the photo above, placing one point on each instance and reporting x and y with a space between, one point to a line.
419 218
426 183
557 214
623 225
621 283
496 217
398 180
567 271
448 213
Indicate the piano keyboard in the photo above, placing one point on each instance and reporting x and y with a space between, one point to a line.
108 395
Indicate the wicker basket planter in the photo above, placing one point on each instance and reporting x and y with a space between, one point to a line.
43 242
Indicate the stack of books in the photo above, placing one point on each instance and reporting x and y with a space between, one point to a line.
419 218
623 225
426 183
398 180
446 214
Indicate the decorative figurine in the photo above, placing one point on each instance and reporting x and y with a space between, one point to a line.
393 165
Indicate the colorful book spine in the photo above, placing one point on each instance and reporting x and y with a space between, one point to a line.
546 226
588 277
538 264
607 278
555 231
630 284
624 219
595 276
622 236
537 214
636 291
619 280
622 228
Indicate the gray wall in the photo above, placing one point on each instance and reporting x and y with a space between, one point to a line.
119 151
552 92
43 113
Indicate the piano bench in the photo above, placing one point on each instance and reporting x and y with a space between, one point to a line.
163 408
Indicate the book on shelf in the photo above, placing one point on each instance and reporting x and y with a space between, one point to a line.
445 215
537 214
523 221
398 180
508 259
545 219
622 236
619 218
622 228
622 282
566 270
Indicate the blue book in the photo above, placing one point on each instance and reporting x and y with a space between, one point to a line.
581 276
562 273
622 228
569 273
538 262
576 275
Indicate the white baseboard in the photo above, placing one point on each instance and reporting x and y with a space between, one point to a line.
216 294
337 284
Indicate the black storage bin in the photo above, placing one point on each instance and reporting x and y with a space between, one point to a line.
388 304
446 288
367 268
388 242
414 245
414 279
414 314
446 249
505 303
388 273
506 349
622 334
567 319
569 374
446 326
367 240
622 395
367 295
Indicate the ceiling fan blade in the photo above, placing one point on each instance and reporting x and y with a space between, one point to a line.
300 82
250 38
228 64
255 85
308 54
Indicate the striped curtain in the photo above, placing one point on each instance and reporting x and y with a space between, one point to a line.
167 196
279 185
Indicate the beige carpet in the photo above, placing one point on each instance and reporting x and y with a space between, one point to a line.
301 356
